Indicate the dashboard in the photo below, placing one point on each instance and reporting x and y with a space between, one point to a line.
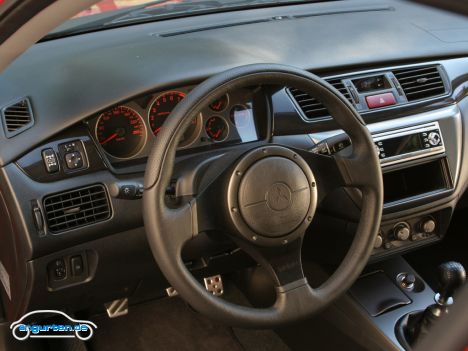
96 103
127 131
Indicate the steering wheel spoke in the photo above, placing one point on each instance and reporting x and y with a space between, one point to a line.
354 170
328 174
283 263
183 225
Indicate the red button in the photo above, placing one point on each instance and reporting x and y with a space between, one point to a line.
381 100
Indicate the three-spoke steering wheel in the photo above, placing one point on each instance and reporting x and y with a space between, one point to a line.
265 197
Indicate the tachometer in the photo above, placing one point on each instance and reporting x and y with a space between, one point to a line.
121 132
217 128
161 108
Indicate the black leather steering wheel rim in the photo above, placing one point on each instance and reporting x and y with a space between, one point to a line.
294 301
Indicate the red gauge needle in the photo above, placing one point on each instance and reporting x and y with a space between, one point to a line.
218 133
115 135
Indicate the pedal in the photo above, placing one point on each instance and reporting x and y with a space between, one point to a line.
117 308
171 292
214 285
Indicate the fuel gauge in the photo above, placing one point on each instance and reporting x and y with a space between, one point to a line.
217 128
220 104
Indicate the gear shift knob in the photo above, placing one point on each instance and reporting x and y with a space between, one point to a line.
451 276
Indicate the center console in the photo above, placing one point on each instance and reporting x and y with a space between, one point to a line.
414 167
419 156
394 307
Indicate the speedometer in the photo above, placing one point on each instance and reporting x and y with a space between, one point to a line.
162 107
121 132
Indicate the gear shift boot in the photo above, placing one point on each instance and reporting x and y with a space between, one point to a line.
416 325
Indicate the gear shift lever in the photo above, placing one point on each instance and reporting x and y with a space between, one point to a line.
451 276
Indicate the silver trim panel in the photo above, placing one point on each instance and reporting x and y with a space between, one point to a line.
411 155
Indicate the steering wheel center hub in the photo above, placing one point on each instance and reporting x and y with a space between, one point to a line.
275 193
278 197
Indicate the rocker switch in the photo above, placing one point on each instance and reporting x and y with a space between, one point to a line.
50 160
76 263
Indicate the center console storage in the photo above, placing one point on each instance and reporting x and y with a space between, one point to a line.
417 180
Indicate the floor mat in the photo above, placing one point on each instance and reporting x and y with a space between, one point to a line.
166 324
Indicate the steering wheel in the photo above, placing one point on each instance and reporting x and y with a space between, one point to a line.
264 197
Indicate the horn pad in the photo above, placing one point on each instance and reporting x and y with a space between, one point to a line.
274 196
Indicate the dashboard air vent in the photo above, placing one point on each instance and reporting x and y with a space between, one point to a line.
76 208
17 117
311 107
420 82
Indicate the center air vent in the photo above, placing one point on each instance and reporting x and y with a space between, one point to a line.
313 108
76 208
17 117
420 82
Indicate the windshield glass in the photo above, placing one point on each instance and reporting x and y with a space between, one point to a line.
113 5
114 13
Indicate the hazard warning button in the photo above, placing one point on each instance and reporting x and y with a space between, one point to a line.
380 100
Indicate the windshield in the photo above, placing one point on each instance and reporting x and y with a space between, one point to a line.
114 13
112 5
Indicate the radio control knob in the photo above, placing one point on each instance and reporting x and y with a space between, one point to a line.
402 231
378 241
433 138
428 225
377 150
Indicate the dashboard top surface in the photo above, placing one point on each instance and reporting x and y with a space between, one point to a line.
71 79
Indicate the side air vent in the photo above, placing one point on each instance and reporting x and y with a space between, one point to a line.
76 208
16 118
420 82
310 106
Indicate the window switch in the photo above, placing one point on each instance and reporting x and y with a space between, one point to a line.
76 263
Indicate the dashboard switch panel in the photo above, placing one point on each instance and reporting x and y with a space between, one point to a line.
72 269
407 233
73 155
58 269
74 160
402 231
50 160
380 100
76 263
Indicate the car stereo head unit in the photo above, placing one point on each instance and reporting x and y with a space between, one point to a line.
409 143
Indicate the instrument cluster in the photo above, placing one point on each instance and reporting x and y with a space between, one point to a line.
127 131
